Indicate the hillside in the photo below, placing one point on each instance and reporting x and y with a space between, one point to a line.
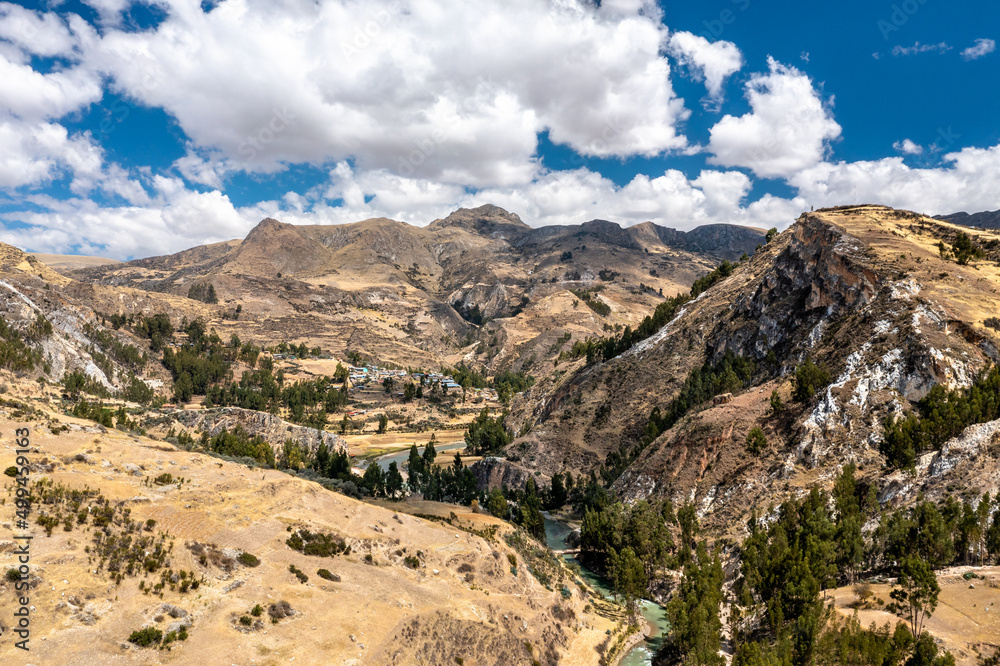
861 290
985 219
418 295
404 584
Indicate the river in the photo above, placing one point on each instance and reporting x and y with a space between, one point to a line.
642 654
404 455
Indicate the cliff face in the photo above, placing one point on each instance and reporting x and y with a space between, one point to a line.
862 291
268 426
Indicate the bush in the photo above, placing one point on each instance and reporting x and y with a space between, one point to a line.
303 578
248 559
11 471
146 637
327 575
164 479
246 620
756 441
809 379
257 611
13 575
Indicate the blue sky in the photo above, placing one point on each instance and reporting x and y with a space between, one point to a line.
131 129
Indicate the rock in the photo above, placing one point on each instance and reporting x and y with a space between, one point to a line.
177 626
174 611
232 586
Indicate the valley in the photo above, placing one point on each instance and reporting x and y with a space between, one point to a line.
740 425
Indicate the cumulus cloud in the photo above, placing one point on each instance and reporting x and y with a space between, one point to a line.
711 62
969 180
917 47
170 221
34 32
788 128
908 147
390 85
979 49
32 153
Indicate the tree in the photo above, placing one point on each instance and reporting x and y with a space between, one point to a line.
756 441
809 378
486 435
777 406
373 480
388 383
531 511
496 504
409 391
771 233
964 249
393 481
916 593
383 423
557 493
629 579
415 468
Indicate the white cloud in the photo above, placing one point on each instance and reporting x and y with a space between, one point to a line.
170 222
711 62
32 153
979 49
391 84
917 47
908 147
29 94
34 32
786 131
970 181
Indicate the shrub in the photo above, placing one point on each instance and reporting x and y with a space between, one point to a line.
13 575
756 441
146 637
327 575
303 578
257 611
809 379
246 620
248 559
164 479
11 471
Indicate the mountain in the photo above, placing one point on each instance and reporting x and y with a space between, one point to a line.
984 220
864 292
419 295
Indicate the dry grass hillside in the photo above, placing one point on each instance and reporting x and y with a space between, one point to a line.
418 295
410 591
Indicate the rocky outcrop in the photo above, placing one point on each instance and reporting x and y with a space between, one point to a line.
499 473
268 426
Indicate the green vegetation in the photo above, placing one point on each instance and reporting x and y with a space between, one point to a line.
239 444
809 380
992 322
589 297
771 233
146 637
248 559
326 575
317 544
942 414
486 435
203 292
694 612
630 543
301 575
509 383
756 441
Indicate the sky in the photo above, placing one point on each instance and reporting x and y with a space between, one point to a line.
131 129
